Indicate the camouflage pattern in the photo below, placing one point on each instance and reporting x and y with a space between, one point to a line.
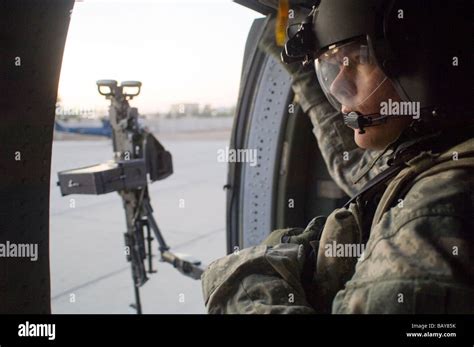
342 229
277 236
258 279
418 258
298 236
420 253
349 166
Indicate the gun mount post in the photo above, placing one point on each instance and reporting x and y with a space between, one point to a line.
138 156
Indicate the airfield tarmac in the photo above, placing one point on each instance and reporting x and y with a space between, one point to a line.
89 272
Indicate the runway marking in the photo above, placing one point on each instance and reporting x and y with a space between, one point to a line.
127 268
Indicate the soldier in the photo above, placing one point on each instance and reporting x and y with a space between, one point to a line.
404 242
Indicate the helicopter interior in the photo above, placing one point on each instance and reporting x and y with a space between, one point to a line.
288 187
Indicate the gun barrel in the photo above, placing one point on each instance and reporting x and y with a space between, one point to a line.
189 268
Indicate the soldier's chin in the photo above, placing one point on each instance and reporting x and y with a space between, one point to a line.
368 140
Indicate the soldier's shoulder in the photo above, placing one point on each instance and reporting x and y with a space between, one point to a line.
445 191
448 193
437 210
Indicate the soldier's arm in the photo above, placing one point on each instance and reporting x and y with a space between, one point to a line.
258 280
344 160
419 258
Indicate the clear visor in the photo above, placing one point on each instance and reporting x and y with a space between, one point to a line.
349 74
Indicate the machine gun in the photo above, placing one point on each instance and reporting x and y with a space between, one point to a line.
138 155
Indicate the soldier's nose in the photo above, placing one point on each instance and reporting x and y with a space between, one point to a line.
345 109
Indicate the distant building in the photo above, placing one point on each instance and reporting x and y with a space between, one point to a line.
183 110
209 111
223 111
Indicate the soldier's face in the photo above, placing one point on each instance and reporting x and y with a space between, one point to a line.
353 81
376 137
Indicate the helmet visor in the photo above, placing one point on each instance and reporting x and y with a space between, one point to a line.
349 74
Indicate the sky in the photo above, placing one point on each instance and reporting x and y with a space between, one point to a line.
181 50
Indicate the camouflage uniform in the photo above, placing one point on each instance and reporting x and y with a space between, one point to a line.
416 229
418 258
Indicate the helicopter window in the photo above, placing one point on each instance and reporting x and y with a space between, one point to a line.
186 99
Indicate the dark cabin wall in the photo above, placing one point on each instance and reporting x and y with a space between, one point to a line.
35 31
